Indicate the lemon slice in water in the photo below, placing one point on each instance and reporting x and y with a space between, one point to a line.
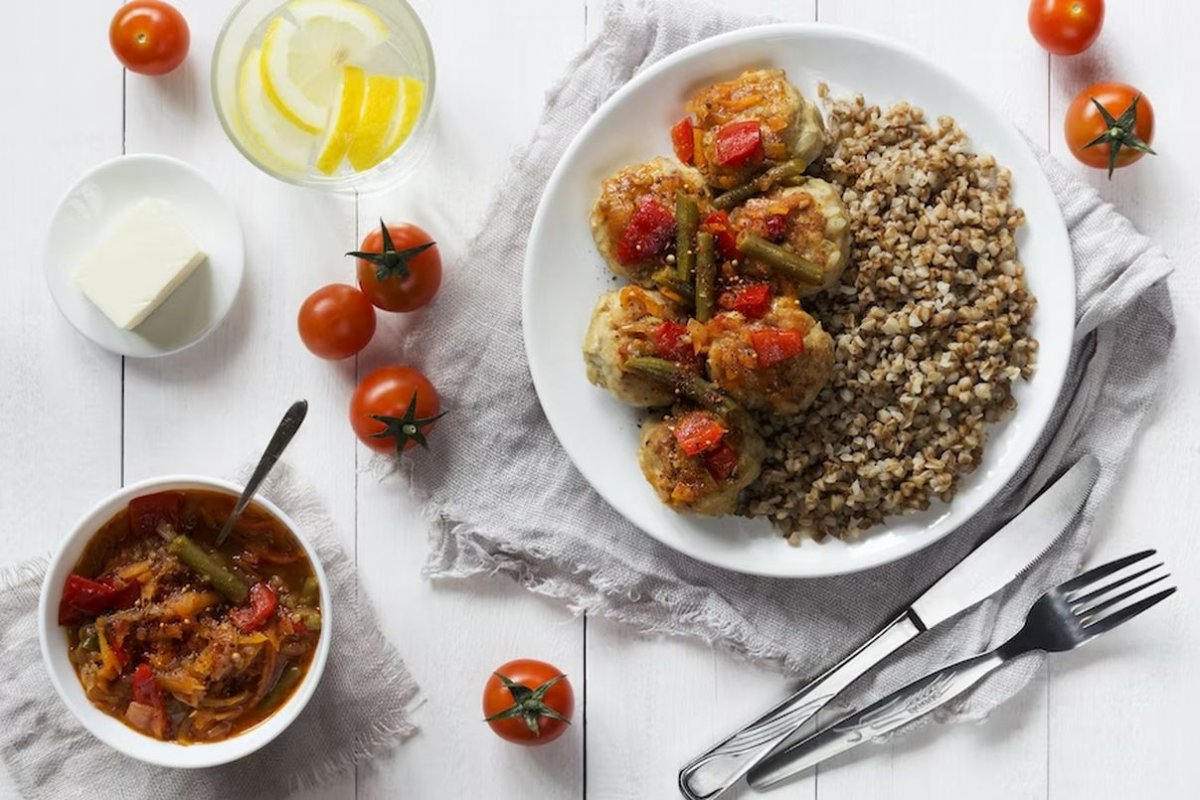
305 52
345 116
411 100
377 122
275 136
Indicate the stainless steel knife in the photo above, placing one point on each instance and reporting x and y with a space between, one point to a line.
990 567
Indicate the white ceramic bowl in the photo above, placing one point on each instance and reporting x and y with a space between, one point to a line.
564 275
112 731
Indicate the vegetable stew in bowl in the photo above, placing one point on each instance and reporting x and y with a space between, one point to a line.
183 638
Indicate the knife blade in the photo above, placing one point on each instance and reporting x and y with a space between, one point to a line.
1052 511
994 564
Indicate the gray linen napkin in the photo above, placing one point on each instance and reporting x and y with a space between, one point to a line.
361 706
506 498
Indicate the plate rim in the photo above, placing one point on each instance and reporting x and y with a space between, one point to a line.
227 207
1001 476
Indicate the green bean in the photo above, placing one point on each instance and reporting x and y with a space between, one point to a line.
309 591
706 276
282 688
687 219
223 579
667 280
786 171
688 383
310 617
783 262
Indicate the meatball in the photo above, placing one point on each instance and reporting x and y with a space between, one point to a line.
810 220
789 126
776 364
628 323
633 219
708 482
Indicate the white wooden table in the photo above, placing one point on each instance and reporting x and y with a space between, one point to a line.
1113 721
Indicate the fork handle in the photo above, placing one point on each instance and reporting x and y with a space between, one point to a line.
880 718
711 774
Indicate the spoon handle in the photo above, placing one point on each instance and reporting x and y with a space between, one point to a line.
283 435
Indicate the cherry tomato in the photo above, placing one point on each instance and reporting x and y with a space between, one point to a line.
336 321
528 702
1124 137
399 267
1066 27
149 37
393 409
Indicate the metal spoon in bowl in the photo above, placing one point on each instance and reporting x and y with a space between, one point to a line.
283 434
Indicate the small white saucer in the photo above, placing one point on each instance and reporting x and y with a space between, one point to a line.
98 201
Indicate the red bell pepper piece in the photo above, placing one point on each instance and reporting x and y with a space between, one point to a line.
670 343
262 603
650 229
83 598
684 141
774 346
717 223
751 300
738 143
147 511
721 461
699 432
776 227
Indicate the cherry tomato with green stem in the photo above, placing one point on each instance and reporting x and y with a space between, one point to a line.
528 702
399 267
393 409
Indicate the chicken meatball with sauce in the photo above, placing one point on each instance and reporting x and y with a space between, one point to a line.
750 123
633 219
809 220
777 363
629 323
698 462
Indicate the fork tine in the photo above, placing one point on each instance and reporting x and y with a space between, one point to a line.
1089 597
1087 614
1103 571
1125 614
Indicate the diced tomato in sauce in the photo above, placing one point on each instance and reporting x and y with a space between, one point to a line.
148 694
699 432
670 342
717 223
721 461
262 603
774 346
148 511
650 229
776 227
684 141
751 300
738 143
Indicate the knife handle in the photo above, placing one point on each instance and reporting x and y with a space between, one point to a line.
720 767
879 719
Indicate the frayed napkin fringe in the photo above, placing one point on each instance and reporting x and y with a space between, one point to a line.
460 550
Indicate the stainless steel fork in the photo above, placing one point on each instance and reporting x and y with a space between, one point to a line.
1068 616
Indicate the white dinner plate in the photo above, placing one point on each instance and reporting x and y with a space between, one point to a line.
97 202
564 276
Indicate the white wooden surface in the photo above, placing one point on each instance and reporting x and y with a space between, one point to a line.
1108 722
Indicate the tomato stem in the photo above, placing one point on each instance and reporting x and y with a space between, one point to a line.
1119 132
409 428
390 262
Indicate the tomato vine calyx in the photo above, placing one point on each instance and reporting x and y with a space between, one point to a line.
408 428
529 704
390 262
1119 132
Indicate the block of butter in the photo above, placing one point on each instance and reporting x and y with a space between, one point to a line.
136 266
